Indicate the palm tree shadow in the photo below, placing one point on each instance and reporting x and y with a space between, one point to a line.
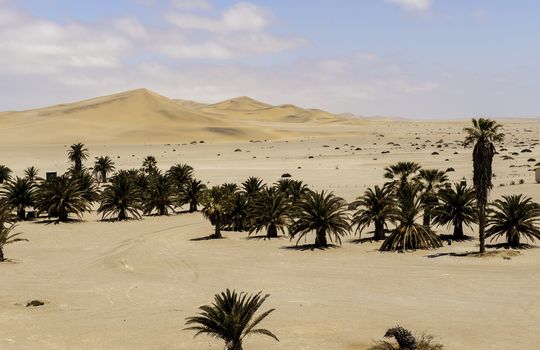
56 221
311 247
264 237
450 237
465 254
206 238
364 240
506 246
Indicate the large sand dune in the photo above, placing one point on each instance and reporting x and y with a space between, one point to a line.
142 116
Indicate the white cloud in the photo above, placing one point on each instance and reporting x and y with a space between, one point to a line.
419 5
192 4
240 17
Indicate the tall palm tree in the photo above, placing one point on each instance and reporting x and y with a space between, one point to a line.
457 207
149 165
77 153
216 203
483 134
5 173
401 172
6 228
270 212
62 196
376 207
409 234
432 180
19 194
252 186
231 317
120 198
159 195
324 213
514 216
191 194
102 167
32 173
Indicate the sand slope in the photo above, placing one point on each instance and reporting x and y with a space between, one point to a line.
143 116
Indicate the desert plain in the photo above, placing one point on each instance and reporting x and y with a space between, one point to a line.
130 285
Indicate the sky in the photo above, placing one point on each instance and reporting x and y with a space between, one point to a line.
407 58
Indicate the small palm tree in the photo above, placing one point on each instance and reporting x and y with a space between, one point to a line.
377 207
252 186
5 173
514 216
231 317
180 174
457 207
324 213
62 196
483 134
102 167
32 173
159 195
19 194
432 180
409 234
149 165
77 153
237 216
6 227
270 212
121 198
191 194
216 203
401 172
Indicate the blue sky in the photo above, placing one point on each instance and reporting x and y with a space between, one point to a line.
410 58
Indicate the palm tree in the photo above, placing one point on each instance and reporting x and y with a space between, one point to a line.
377 207
323 213
31 173
19 194
231 187
270 212
77 153
514 216
6 227
401 172
159 195
102 167
180 174
231 317
149 165
293 189
216 203
87 184
62 196
409 234
457 207
252 186
432 180
5 173
237 216
120 198
483 134
192 193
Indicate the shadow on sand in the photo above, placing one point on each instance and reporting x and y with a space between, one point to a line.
311 247
206 238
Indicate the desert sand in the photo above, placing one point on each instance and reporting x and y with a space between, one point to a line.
131 285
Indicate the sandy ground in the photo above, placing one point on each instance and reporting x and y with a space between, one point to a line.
131 285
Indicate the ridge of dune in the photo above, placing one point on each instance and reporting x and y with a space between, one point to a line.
144 116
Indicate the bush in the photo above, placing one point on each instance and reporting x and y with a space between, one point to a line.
425 342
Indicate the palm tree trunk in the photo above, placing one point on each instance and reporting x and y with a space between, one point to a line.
481 227
458 230
62 215
21 213
427 218
122 214
379 231
235 346
513 241
217 229
104 176
272 231
1 254
192 206
320 240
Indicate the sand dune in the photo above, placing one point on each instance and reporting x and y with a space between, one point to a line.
143 116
